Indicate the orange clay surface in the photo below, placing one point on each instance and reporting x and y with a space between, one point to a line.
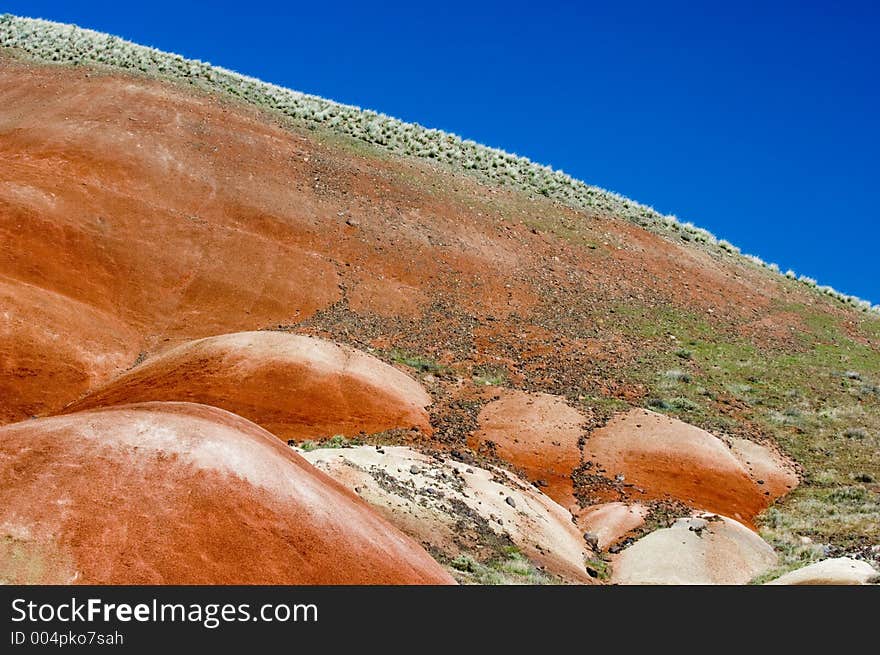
136 215
662 457
177 493
295 386
538 433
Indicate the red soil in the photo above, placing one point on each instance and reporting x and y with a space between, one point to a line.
53 348
296 387
170 215
661 457
176 493
537 433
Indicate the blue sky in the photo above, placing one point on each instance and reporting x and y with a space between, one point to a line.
757 121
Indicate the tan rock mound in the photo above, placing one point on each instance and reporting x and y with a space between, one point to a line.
537 433
176 493
662 457
837 571
705 549
294 386
608 523
451 506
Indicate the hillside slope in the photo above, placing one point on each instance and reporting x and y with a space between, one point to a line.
139 214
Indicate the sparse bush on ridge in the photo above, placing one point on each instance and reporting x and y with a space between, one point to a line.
729 247
855 433
336 441
57 42
677 375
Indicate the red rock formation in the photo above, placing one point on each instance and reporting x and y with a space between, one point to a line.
608 523
294 386
662 457
538 433
177 493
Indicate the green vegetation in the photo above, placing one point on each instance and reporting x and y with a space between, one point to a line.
677 375
814 398
419 362
509 567
599 568
336 441
678 404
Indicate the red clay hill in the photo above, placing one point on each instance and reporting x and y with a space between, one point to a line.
177 493
136 215
187 281
297 387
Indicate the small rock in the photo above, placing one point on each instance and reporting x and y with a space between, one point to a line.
592 540
510 501
352 222
415 470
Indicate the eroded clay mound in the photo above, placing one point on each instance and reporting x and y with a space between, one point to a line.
458 508
836 571
766 466
707 549
294 386
176 493
537 433
662 457
608 523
